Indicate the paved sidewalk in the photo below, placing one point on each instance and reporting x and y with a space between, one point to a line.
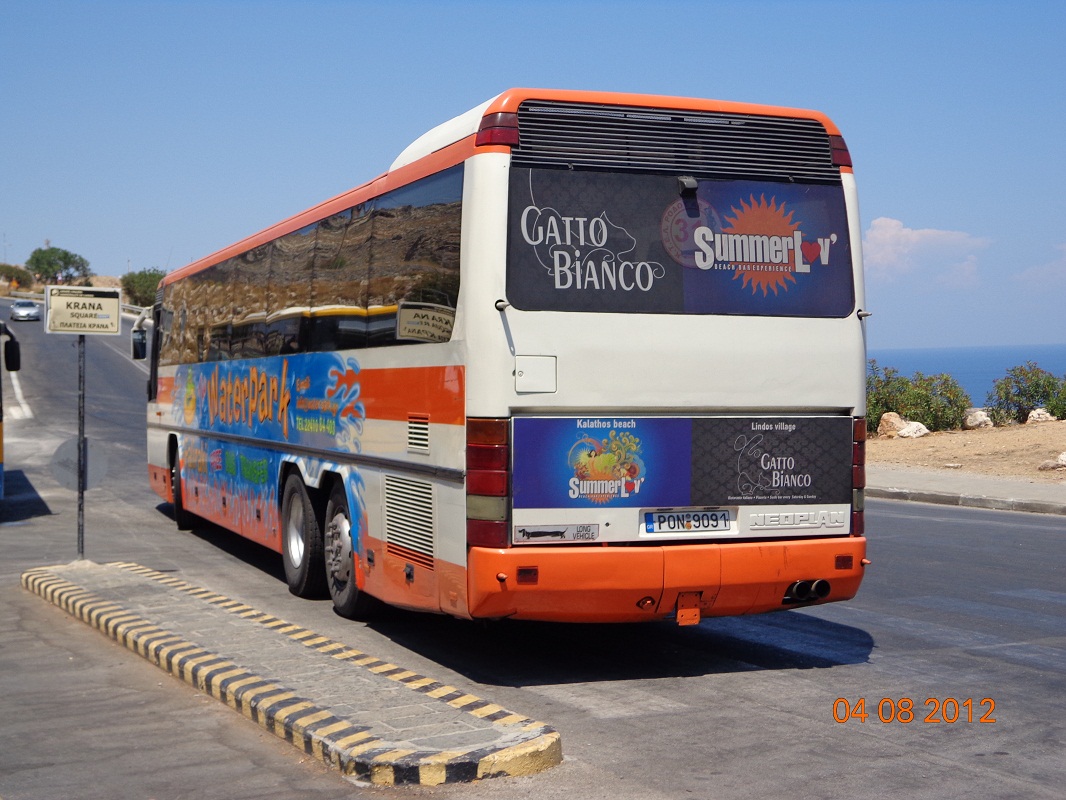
948 487
370 719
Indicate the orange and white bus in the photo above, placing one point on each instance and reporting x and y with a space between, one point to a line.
575 356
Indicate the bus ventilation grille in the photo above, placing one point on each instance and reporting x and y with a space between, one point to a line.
698 143
409 520
418 433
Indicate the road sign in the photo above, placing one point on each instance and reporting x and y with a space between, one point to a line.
82 309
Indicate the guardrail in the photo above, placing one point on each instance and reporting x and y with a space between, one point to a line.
126 307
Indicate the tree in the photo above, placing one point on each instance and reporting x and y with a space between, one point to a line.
56 265
139 287
16 276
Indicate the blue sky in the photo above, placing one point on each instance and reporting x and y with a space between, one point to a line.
148 134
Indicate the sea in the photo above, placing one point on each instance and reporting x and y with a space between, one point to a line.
974 368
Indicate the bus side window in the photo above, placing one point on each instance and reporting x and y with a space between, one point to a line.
414 271
291 273
342 261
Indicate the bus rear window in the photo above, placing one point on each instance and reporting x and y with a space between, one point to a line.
670 244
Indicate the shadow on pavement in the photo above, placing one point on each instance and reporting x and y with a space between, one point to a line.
508 653
251 553
512 653
21 500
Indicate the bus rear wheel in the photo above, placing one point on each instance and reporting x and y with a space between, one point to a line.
340 559
301 541
183 518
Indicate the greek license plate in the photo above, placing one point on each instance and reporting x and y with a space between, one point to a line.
695 520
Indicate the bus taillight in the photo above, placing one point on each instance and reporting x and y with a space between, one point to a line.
841 155
501 128
488 482
858 477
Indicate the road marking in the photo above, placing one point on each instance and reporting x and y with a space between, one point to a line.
141 365
23 411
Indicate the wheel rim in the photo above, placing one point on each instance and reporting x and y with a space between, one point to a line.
294 533
339 550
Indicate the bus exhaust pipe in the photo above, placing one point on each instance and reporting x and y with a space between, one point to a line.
807 591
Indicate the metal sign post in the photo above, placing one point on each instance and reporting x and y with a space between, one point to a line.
82 453
82 310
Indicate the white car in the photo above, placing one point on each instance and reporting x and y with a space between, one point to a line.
25 309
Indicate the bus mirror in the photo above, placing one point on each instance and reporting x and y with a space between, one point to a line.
12 356
140 344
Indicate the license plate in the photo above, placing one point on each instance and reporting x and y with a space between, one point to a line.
692 520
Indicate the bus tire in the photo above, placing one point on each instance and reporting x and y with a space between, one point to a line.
183 518
301 541
341 565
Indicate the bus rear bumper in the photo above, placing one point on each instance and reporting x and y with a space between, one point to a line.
631 584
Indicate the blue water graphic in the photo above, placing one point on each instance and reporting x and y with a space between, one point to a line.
974 368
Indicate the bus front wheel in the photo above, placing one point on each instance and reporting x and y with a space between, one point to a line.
301 545
340 561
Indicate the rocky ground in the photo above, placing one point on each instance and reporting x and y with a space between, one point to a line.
1014 451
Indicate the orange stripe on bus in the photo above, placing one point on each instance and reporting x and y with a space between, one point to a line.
395 394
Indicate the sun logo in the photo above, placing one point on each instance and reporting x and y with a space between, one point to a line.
759 218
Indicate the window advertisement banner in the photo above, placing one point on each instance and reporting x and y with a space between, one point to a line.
649 462
616 242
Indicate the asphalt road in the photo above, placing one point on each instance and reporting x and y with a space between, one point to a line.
959 605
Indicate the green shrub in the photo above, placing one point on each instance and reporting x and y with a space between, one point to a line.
936 401
885 390
1021 390
1057 404
139 287
13 273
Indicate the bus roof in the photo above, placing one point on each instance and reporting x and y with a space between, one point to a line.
467 124
436 146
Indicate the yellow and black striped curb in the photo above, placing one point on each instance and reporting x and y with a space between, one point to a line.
526 746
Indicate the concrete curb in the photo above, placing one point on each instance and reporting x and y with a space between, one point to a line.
968 500
525 746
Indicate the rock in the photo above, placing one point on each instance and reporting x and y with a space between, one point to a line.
1041 415
913 430
978 418
891 424
1055 463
